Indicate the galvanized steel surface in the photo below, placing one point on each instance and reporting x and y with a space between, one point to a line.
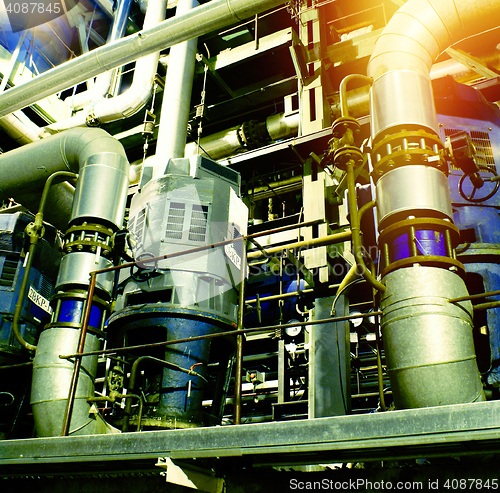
428 342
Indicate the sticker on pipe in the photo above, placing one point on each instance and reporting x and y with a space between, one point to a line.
39 300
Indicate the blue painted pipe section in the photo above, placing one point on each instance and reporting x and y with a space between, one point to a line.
72 310
428 243
180 394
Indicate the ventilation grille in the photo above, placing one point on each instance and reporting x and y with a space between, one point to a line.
45 287
140 224
175 221
198 226
9 270
238 245
481 141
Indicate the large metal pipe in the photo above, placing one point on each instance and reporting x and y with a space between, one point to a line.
176 103
135 97
100 197
201 20
405 51
229 142
103 82
429 345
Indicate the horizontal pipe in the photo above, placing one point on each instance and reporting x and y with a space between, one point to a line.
134 98
201 20
474 296
221 334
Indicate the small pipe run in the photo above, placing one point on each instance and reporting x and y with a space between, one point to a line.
35 231
238 377
78 361
355 218
344 106
134 372
235 332
201 20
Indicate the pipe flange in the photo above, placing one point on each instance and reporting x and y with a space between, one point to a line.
348 155
406 148
89 238
341 125
428 261
423 241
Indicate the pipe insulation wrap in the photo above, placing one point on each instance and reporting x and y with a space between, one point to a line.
405 51
422 29
206 18
52 379
76 150
428 342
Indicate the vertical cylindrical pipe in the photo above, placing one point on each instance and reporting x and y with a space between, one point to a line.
177 95
428 341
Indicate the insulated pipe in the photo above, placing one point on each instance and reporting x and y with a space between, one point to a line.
405 51
229 142
176 103
104 81
429 347
75 150
20 128
100 196
136 96
206 18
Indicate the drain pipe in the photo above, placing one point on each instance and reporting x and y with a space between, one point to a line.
428 342
98 210
136 96
103 82
176 103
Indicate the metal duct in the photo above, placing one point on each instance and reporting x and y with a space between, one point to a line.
176 103
429 349
201 20
136 96
429 345
100 198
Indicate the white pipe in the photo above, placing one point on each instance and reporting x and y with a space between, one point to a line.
176 103
100 197
103 82
201 20
429 344
136 96
20 128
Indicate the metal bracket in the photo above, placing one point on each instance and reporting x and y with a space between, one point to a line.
190 476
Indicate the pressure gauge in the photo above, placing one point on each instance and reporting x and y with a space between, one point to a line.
293 331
